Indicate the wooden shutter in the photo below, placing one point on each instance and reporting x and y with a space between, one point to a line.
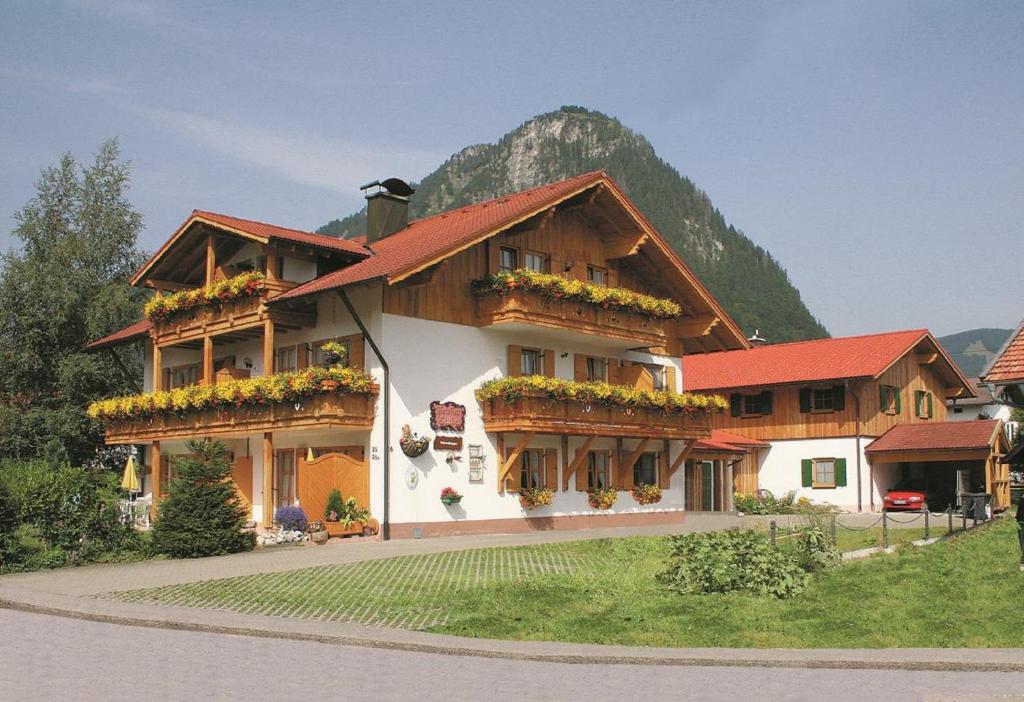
356 351
918 397
899 406
514 481
549 363
493 255
766 402
838 398
582 472
614 465
664 480
613 371
625 480
551 469
302 356
840 467
735 404
579 365
807 472
805 400
241 473
515 360
883 397
165 379
931 408
611 277
670 379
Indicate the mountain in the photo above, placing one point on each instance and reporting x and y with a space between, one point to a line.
974 349
744 277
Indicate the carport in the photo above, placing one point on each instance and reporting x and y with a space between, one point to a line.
943 460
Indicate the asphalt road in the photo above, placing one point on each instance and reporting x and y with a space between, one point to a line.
53 658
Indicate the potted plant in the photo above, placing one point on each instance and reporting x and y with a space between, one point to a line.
413 445
334 352
450 496
318 533
647 494
602 498
531 498
335 506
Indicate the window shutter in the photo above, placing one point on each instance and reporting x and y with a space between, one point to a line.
625 480
549 363
807 472
766 402
514 481
301 356
493 255
918 397
899 405
838 398
735 404
165 379
614 463
581 473
883 397
805 400
930 407
551 469
579 365
356 351
613 370
840 466
661 460
670 379
515 361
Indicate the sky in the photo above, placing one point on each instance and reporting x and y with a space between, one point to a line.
876 149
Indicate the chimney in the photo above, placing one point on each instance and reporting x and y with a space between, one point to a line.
387 207
757 340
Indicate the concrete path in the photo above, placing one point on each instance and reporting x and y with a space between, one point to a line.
72 592
49 658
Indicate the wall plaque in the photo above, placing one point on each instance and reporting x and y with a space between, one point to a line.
447 416
447 443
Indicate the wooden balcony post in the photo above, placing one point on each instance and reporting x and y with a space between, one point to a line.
154 477
158 374
272 259
268 478
211 259
208 360
268 347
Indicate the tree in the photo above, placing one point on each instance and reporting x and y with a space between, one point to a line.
202 515
66 284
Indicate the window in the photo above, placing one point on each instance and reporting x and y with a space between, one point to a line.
889 399
509 259
822 400
824 472
531 474
658 374
752 405
757 405
923 404
645 470
287 359
534 261
597 470
597 369
184 375
596 275
529 362
284 478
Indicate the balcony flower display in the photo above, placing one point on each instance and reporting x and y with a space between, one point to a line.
647 494
262 390
161 309
557 287
532 498
586 393
602 498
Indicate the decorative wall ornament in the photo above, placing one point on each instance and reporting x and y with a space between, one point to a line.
447 443
447 416
476 462
412 477
412 444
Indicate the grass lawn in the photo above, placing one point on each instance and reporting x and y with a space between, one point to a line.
847 540
963 593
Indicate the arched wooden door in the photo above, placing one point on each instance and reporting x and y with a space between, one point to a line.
316 479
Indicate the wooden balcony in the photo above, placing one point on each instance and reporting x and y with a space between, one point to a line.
240 318
526 307
327 411
541 414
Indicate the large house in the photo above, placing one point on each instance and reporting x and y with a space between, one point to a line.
846 419
533 341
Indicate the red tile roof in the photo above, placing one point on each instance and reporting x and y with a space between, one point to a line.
939 436
1008 366
818 360
426 240
122 336
272 231
724 441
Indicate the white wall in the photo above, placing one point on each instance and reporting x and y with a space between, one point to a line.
780 470
968 412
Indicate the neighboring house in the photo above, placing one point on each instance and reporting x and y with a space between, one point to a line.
402 302
1006 375
982 406
819 405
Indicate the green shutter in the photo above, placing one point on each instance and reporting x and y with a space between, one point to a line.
807 472
883 397
918 397
899 406
805 400
766 402
736 404
839 398
840 472
930 407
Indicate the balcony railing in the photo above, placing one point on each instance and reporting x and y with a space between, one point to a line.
327 411
537 412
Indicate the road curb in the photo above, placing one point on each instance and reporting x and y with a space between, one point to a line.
727 658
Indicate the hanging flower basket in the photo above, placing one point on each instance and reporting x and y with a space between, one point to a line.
602 498
647 494
449 496
411 444
334 353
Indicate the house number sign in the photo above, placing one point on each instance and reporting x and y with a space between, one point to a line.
447 416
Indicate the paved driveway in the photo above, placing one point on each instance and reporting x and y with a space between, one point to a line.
44 658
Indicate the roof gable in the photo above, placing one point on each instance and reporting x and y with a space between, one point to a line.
1008 364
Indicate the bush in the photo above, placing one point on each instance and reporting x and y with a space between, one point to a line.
764 502
814 551
8 525
202 515
291 518
731 561
335 505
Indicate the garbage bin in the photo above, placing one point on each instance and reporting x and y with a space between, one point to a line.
977 505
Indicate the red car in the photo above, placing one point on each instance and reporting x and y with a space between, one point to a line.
904 500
